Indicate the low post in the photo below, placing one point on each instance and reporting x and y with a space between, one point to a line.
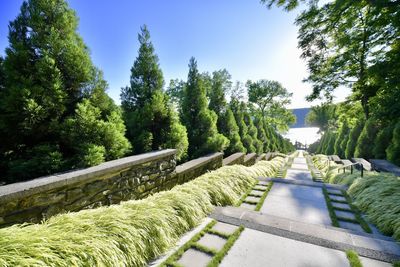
351 169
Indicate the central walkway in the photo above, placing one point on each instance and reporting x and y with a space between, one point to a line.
292 228
297 202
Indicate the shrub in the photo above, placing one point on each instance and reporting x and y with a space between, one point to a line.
382 141
353 136
393 150
365 141
133 232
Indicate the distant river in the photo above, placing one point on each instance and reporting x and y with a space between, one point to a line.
306 135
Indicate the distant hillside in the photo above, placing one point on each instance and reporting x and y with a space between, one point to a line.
300 114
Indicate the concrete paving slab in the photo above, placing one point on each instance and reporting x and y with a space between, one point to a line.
225 228
301 210
260 187
366 262
194 258
351 226
338 198
185 238
297 191
252 199
254 248
334 191
256 192
299 166
299 203
298 175
367 245
212 241
248 206
299 160
341 205
345 214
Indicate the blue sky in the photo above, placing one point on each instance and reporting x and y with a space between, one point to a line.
244 37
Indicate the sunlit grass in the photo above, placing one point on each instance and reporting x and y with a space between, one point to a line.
131 233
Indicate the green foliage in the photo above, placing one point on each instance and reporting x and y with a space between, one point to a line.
131 233
220 84
382 141
341 138
353 137
366 140
198 119
151 121
261 134
46 73
93 139
270 99
252 131
230 129
393 150
353 258
243 128
330 147
321 116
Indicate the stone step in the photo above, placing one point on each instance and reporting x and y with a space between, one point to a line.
366 245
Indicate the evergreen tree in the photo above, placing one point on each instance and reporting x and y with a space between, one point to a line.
198 119
330 147
230 129
366 140
393 150
150 119
381 142
243 129
253 133
343 132
353 137
47 72
261 134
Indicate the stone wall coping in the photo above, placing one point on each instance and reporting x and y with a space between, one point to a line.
232 158
250 156
41 184
195 163
261 157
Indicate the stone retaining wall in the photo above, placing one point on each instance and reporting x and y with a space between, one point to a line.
250 159
194 168
133 177
237 158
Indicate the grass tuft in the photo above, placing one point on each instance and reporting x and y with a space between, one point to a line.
133 232
353 258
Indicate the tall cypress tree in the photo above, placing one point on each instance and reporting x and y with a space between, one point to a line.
150 119
230 129
382 141
199 120
393 150
47 72
343 132
366 139
353 137
261 134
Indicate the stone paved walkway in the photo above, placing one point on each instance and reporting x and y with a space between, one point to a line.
296 202
293 228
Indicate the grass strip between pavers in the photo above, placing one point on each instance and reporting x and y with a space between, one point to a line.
364 225
331 210
171 261
353 258
216 260
217 256
245 195
263 197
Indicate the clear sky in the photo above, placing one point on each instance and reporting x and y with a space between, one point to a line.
246 38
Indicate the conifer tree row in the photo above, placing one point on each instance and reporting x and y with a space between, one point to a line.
55 114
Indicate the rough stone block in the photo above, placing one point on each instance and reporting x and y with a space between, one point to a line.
252 199
337 198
